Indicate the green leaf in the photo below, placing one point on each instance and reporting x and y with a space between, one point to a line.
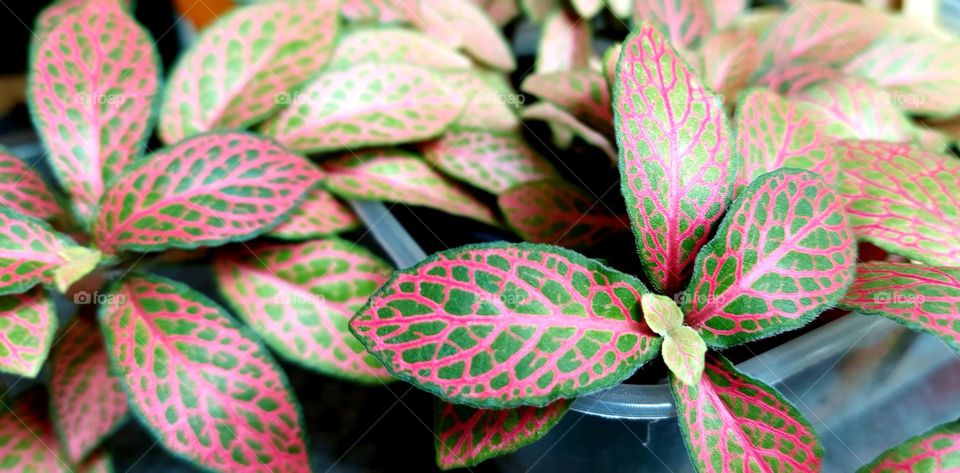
934 451
661 313
683 351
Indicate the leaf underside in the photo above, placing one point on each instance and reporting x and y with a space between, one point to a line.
501 326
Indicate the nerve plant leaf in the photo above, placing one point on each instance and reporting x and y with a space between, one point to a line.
583 93
395 45
87 400
376 11
922 297
366 105
479 35
920 75
203 384
489 160
28 322
683 349
32 253
320 215
206 191
556 116
557 213
91 91
466 436
27 441
502 326
23 190
773 134
232 75
726 12
729 59
902 199
399 176
783 254
676 163
852 108
500 11
684 22
661 313
489 102
300 298
564 43
731 422
937 450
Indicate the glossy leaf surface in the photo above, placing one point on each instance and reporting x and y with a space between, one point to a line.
28 322
501 326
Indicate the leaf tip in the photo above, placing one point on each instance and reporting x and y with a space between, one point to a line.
79 261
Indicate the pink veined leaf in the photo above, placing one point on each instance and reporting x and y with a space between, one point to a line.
489 160
478 34
557 213
792 80
564 43
920 75
538 10
822 33
32 253
490 102
376 11
99 461
685 23
783 254
554 115
88 402
853 108
587 9
582 93
500 11
91 91
366 105
937 450
925 298
27 441
206 191
610 59
28 322
726 12
320 215
467 436
399 176
246 65
53 15
676 163
203 384
395 45
773 134
732 423
23 190
902 199
505 325
300 298
729 60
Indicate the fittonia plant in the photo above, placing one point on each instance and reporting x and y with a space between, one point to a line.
526 327
202 382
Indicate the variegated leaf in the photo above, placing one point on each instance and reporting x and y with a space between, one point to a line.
505 325
564 43
320 215
395 45
479 35
733 423
246 65
922 297
366 105
489 104
729 60
28 322
920 75
557 213
23 190
399 176
203 384
852 108
726 12
783 254
683 353
903 199
205 191
685 23
500 11
87 400
377 11
773 134
489 160
27 441
93 81
556 116
32 253
582 93
676 163
934 451
466 436
300 298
